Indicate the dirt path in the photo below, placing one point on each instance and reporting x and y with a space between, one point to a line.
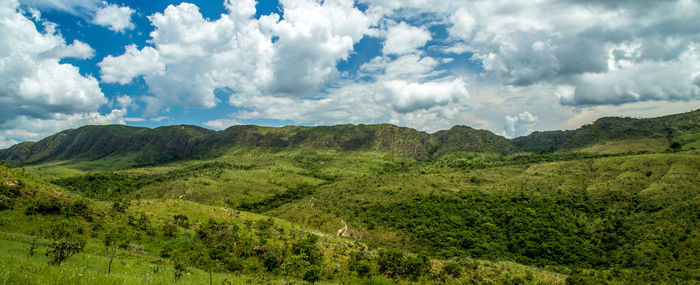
343 231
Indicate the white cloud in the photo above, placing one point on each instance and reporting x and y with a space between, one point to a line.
463 24
74 7
221 124
404 38
124 101
115 18
24 128
409 97
124 68
38 94
32 80
586 45
191 57
77 49
313 37
520 124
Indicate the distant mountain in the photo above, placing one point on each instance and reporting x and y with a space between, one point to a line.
94 142
463 138
164 144
672 128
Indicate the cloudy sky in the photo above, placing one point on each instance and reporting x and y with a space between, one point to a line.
507 66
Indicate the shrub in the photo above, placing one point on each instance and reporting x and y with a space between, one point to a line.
44 206
312 275
63 245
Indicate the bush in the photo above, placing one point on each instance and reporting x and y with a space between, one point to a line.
391 263
44 206
179 270
64 244
307 247
312 275
9 190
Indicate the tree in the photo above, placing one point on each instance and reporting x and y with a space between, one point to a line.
170 229
312 275
360 263
391 262
293 265
181 220
111 244
179 270
307 248
64 244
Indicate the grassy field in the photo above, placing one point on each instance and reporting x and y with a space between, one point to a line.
629 146
24 225
593 217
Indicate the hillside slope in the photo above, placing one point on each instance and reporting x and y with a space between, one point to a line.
683 129
172 143
166 144
168 241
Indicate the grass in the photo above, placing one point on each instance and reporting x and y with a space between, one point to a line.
628 146
90 267
651 196
17 230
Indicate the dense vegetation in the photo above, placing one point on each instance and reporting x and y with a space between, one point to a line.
357 204
167 241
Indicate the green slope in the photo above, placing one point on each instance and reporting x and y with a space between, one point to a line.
643 134
153 238
569 212
172 143
586 204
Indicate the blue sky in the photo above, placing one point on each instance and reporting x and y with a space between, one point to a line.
511 67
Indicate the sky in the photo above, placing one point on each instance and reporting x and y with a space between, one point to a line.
511 67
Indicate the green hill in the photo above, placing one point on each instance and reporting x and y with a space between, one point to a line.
168 241
166 144
612 202
467 139
639 134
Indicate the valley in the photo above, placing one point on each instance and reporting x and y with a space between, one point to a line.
616 201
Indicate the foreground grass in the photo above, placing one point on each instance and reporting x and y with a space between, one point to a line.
90 267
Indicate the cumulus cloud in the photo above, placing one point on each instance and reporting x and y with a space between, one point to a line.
404 38
25 128
294 56
609 54
409 97
77 49
313 37
39 94
32 80
115 18
133 62
520 124
220 124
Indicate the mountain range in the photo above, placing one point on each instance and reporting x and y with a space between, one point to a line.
171 143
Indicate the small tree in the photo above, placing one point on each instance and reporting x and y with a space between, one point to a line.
181 220
64 244
312 275
33 245
170 229
179 270
391 263
111 244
